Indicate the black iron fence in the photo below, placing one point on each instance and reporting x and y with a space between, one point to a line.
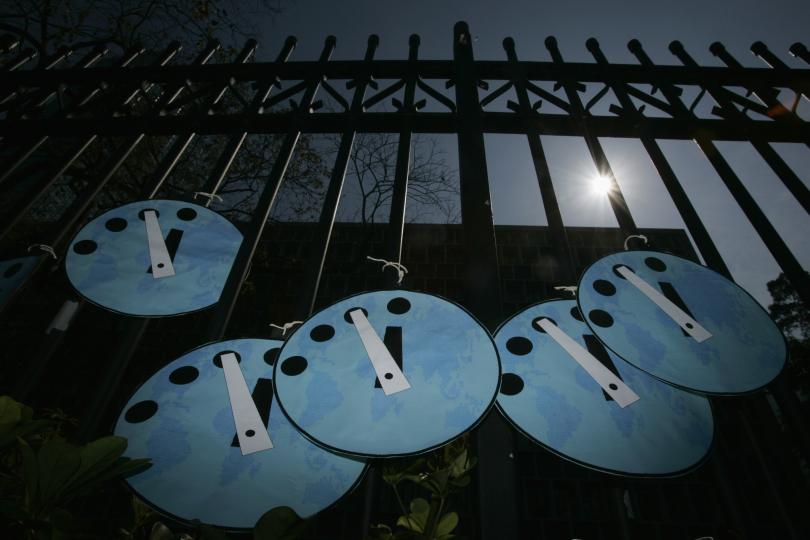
71 131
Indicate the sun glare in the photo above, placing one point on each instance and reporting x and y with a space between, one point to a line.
601 184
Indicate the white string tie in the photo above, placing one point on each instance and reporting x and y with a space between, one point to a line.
209 196
45 248
639 236
286 326
567 288
401 270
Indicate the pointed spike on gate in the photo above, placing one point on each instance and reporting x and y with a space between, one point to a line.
798 49
592 45
717 48
287 48
551 43
635 47
759 48
676 47
371 46
509 44
462 33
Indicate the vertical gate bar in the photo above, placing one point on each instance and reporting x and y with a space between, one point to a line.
754 215
399 199
578 112
765 94
220 170
39 191
792 182
23 58
49 344
773 487
690 217
784 257
96 54
62 54
64 228
221 315
134 329
495 444
559 236
323 233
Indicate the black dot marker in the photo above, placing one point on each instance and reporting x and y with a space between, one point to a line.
322 333
604 287
11 270
519 346
600 318
398 306
184 375
218 358
271 356
347 317
141 411
656 264
294 365
85 247
250 433
186 214
116 224
511 384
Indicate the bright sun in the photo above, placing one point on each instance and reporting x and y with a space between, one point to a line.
601 184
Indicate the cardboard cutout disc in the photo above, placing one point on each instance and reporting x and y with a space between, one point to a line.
555 398
681 322
12 274
184 418
388 373
153 258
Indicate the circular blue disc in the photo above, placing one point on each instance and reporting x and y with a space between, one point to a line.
329 389
109 263
12 274
181 419
746 350
551 399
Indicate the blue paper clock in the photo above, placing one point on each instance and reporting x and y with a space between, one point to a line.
387 373
153 258
565 391
681 322
222 451
12 274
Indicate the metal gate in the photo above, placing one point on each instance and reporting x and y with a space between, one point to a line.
59 113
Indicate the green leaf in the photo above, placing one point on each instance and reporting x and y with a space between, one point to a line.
447 524
400 470
381 532
11 414
57 462
124 468
160 532
280 523
96 457
417 519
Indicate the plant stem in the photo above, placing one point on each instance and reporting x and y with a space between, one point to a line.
432 522
399 500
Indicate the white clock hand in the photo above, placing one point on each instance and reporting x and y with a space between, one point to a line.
250 430
689 325
610 383
161 261
390 376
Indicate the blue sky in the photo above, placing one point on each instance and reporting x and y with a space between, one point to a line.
516 198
